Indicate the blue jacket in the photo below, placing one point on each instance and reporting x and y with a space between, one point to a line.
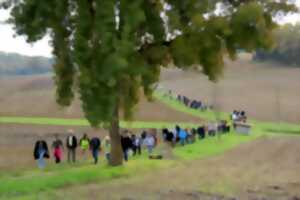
182 134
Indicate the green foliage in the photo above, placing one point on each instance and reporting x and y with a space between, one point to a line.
108 51
287 49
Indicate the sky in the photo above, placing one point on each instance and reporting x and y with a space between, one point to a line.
10 43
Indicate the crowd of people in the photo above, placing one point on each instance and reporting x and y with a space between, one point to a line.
188 102
239 116
182 136
131 144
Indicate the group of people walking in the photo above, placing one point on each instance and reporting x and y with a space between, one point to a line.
131 145
135 143
86 144
238 116
192 103
188 102
188 136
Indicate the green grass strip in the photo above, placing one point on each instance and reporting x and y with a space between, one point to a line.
83 122
40 181
212 146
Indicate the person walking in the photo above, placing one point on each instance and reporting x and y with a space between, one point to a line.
57 146
137 145
40 153
84 145
95 145
149 142
107 148
201 132
71 144
134 147
182 135
126 144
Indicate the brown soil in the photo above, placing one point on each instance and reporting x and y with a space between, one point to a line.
246 85
35 96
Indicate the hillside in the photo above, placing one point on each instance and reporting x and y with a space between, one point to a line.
266 91
16 64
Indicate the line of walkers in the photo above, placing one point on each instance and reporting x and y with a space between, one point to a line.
131 144
188 102
188 136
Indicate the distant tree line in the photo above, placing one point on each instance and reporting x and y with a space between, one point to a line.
16 64
287 49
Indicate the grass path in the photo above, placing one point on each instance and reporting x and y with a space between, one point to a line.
83 122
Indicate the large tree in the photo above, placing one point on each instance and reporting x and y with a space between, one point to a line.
107 50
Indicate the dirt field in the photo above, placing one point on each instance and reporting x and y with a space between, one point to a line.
266 91
35 96
266 169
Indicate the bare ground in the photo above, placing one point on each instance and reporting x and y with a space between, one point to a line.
266 169
35 96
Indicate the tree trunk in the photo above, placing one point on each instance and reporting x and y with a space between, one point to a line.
115 138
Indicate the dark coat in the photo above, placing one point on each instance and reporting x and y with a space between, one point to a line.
95 143
165 132
170 136
201 132
73 144
36 149
126 143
